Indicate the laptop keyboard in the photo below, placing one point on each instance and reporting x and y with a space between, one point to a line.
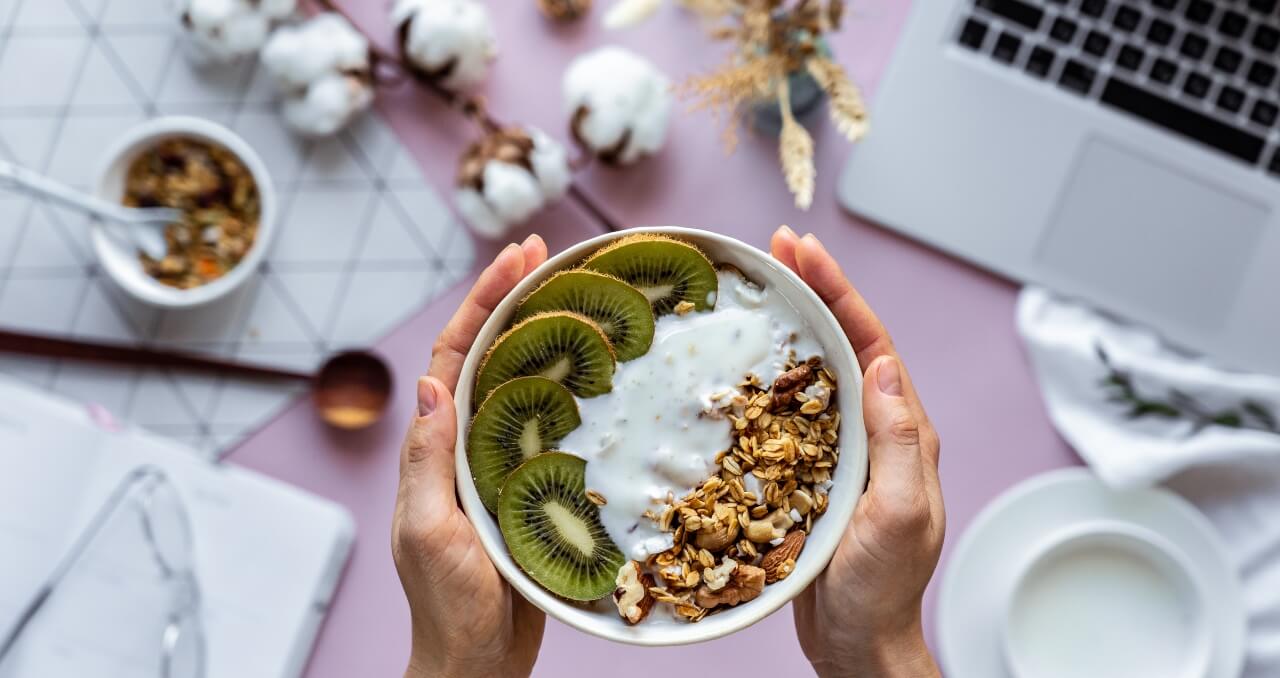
1206 70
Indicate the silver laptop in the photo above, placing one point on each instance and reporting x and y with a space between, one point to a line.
1125 152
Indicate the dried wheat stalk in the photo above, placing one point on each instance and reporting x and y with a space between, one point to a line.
846 108
795 149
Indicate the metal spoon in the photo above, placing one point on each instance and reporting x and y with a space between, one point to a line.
350 391
145 225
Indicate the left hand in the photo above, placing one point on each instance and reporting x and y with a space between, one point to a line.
466 619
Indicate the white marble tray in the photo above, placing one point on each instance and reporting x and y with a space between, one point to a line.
364 241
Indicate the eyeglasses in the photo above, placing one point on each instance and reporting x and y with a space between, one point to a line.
166 529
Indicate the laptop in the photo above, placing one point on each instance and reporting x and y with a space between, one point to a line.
1123 152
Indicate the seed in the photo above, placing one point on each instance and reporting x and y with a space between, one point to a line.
705 557
732 466
665 523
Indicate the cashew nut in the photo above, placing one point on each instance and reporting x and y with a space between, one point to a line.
770 527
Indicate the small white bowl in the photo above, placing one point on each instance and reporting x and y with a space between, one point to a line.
849 479
119 257
1107 599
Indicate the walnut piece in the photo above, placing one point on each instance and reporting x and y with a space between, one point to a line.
716 577
633 598
788 384
746 582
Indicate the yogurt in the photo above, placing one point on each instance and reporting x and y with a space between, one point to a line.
651 438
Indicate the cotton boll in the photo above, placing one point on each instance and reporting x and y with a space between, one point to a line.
477 213
299 55
323 68
513 193
221 31
619 104
451 41
328 105
277 9
550 164
508 176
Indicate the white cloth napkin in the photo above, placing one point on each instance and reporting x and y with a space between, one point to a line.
1146 413
1180 396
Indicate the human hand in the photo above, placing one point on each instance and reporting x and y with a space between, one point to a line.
862 615
466 620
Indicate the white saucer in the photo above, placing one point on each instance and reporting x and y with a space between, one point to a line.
984 565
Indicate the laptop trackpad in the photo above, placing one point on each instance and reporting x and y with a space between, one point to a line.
1142 233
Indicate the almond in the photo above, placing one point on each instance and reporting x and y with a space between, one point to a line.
781 561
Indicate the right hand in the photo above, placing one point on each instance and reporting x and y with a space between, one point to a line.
466 619
862 615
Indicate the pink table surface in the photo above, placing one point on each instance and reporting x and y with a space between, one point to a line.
952 323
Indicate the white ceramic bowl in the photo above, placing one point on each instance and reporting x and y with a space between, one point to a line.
849 478
119 257
1107 599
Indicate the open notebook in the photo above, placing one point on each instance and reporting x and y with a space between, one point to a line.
267 556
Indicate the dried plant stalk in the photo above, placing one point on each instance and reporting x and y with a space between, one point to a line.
626 13
848 113
710 9
795 149
834 15
725 91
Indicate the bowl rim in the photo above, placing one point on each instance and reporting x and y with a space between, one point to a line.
853 455
1138 537
145 134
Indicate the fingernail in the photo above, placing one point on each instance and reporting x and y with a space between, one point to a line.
509 248
529 240
814 239
786 230
889 377
426 397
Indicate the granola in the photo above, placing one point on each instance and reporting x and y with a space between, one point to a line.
744 527
220 201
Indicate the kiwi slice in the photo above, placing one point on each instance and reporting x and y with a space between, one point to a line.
621 311
553 531
564 347
667 271
521 419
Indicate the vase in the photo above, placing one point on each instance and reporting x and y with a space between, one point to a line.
806 96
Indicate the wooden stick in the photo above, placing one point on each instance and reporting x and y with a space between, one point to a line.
118 354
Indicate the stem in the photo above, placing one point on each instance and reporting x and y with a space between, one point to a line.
471 107
592 208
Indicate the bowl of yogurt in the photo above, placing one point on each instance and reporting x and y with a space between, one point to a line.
666 441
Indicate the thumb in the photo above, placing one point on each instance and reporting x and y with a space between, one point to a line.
893 432
427 457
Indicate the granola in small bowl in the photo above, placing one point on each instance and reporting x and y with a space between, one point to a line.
218 197
221 184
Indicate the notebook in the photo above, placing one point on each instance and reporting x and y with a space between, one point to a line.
267 556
